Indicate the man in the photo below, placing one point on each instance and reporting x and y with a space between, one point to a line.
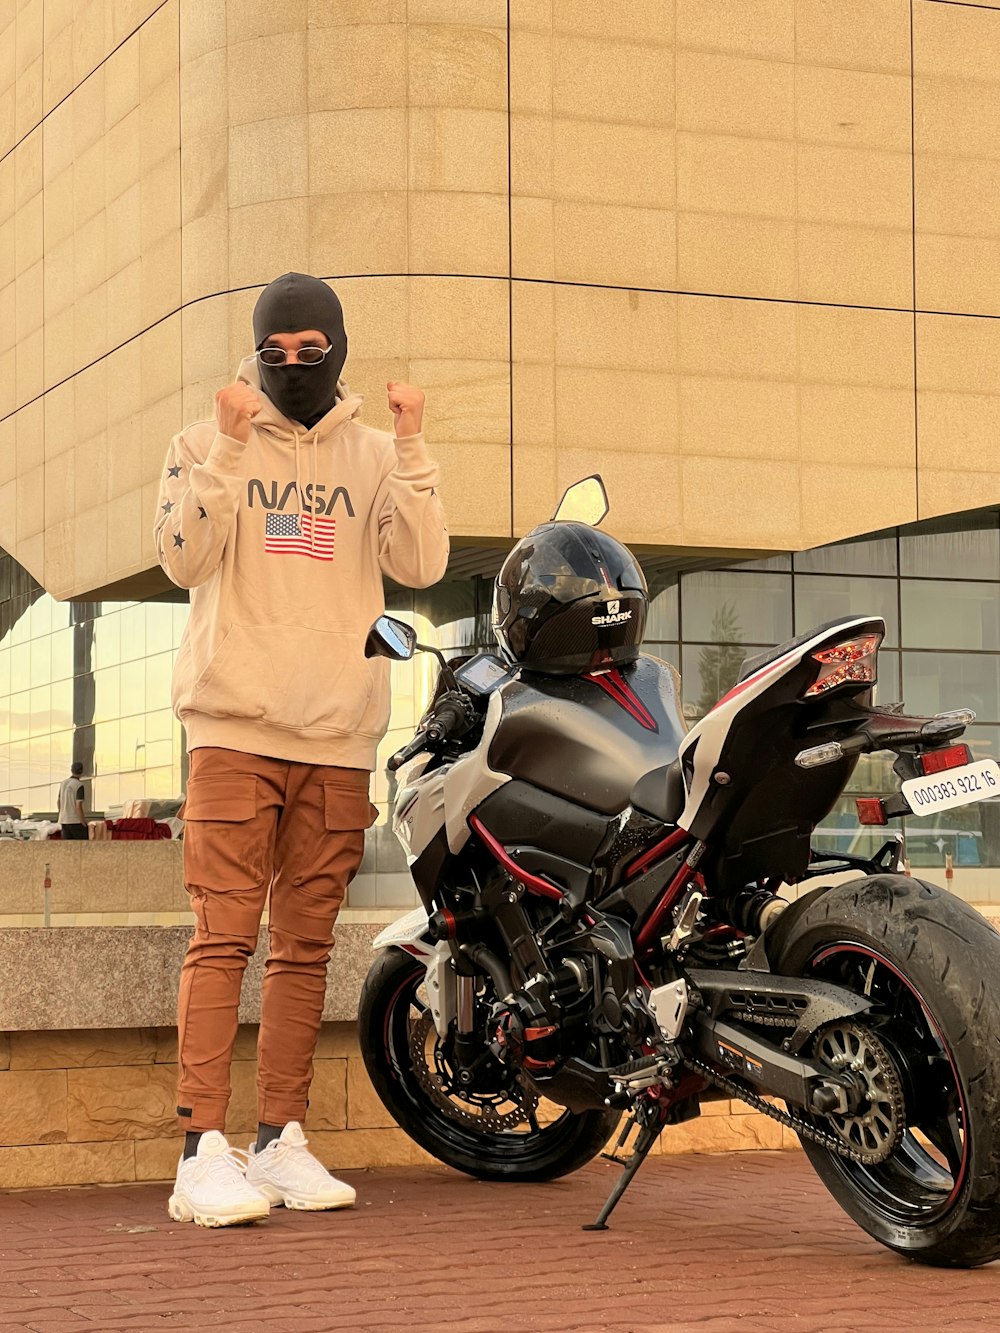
281 516
71 797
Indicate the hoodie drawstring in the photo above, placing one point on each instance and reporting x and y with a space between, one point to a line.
315 477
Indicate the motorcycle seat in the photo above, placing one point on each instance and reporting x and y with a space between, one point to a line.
660 793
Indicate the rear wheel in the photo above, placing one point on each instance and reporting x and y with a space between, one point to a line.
494 1129
933 1062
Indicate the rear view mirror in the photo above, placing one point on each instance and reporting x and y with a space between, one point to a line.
586 501
391 638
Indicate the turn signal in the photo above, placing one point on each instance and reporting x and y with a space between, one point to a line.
850 663
938 761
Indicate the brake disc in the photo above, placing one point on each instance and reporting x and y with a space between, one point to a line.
486 1115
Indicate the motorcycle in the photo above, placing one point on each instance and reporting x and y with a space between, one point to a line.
618 918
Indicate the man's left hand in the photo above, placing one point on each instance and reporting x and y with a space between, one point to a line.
407 406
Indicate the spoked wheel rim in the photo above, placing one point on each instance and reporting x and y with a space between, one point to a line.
923 1178
495 1119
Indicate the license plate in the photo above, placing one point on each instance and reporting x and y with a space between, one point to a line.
955 786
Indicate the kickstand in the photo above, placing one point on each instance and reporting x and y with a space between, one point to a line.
645 1139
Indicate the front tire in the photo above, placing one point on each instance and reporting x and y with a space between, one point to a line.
929 962
388 1008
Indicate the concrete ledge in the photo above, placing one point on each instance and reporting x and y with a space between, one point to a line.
126 976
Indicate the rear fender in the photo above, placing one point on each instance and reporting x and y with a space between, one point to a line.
409 933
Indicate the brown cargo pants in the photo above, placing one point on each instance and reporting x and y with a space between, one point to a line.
257 826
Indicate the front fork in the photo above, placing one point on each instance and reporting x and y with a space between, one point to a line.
468 1044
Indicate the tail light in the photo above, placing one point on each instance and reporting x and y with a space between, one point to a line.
938 761
850 663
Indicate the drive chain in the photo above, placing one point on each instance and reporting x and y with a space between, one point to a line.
793 1120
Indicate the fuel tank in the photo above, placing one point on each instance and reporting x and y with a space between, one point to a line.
590 738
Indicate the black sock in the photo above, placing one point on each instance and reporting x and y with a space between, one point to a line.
267 1134
191 1140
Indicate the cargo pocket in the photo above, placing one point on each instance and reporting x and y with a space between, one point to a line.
346 809
226 852
226 799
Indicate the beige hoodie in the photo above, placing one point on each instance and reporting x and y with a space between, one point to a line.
283 543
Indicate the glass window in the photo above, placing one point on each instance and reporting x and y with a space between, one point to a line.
41 660
961 546
20 666
159 627
107 750
951 615
107 699
159 670
107 640
888 691
133 632
19 763
776 564
20 715
730 607
105 793
866 555
62 654
936 682
840 831
708 671
4 672
133 742
133 687
661 623
40 709
62 705
39 762
820 598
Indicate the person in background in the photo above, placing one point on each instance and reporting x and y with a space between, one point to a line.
281 515
71 798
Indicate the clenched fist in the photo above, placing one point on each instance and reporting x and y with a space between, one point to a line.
407 405
235 407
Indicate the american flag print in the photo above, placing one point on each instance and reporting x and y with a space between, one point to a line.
300 534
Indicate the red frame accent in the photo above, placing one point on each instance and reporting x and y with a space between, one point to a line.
533 883
666 845
650 932
613 683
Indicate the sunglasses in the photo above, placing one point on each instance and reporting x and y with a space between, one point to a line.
306 356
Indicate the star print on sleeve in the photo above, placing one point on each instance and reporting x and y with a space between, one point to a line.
167 507
174 471
201 512
178 540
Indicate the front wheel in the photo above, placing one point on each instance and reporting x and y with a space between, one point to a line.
927 961
494 1130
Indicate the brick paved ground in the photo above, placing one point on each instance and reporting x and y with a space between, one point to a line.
705 1243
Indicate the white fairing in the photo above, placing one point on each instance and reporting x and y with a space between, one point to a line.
449 794
408 934
710 733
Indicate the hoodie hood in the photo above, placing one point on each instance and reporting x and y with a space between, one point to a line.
294 303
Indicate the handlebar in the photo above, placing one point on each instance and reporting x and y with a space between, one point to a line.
450 718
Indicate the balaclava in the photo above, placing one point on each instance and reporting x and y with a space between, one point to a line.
291 304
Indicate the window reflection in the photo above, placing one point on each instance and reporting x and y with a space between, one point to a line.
821 598
961 546
736 607
950 614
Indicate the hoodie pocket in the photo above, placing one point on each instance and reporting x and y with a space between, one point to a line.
307 680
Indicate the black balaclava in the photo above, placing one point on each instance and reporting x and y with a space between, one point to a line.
291 304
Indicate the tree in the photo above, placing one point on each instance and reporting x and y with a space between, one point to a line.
719 665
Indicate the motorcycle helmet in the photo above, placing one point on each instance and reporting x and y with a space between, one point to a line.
569 599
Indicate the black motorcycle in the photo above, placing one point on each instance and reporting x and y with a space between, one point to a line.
607 924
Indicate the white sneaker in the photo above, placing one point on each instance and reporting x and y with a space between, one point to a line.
211 1188
287 1172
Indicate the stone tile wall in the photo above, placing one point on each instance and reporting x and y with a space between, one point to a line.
718 251
97 1107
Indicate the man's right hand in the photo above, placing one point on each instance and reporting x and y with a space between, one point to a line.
235 407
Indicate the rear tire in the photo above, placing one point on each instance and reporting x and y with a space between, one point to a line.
384 1016
935 959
